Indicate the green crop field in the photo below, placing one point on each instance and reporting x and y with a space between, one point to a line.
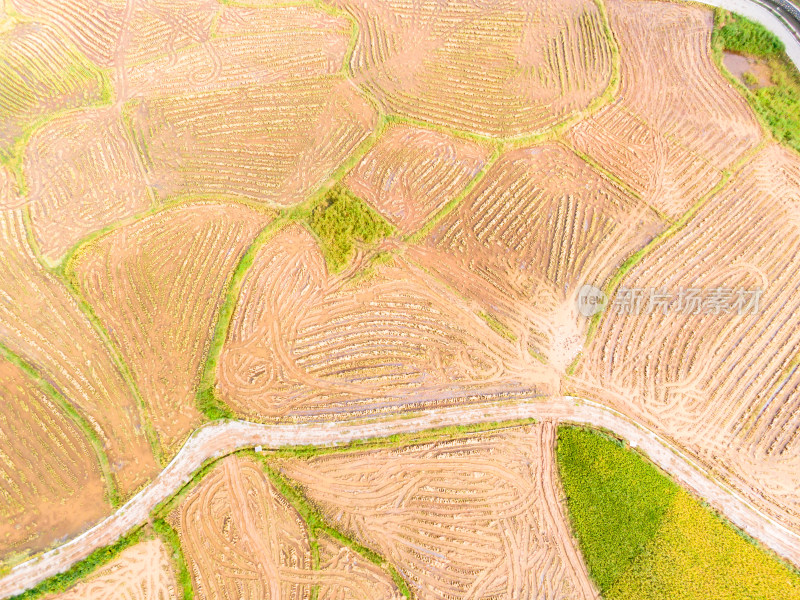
643 537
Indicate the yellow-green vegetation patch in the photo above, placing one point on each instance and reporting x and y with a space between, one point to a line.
339 221
777 104
643 537
498 327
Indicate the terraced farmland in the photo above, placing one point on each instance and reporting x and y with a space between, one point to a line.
539 224
496 69
43 324
48 465
173 281
83 174
329 216
141 572
670 92
41 73
322 346
411 173
243 540
722 384
480 516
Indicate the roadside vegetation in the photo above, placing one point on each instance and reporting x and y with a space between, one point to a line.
339 221
98 558
643 537
778 104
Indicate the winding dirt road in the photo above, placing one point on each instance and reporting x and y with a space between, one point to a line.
216 440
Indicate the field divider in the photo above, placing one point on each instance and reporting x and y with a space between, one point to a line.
111 491
674 228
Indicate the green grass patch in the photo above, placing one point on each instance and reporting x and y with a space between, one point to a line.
738 34
498 327
171 538
778 105
643 537
63 581
339 221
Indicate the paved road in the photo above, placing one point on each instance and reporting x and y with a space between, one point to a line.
215 440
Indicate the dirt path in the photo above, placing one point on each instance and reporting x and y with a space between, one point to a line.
216 440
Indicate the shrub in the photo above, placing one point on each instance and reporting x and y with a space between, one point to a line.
339 220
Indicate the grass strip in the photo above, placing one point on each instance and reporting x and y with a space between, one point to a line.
173 542
111 492
498 327
399 440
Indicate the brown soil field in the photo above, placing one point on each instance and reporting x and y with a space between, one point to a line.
480 517
41 73
141 572
344 575
276 142
41 322
110 32
241 538
83 173
724 386
324 346
157 285
540 224
677 123
493 68
50 483
248 47
410 173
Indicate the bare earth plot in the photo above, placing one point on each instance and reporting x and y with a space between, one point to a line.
304 343
42 323
410 173
83 173
244 541
41 73
475 518
725 386
676 123
493 68
141 572
50 483
266 114
157 285
540 224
